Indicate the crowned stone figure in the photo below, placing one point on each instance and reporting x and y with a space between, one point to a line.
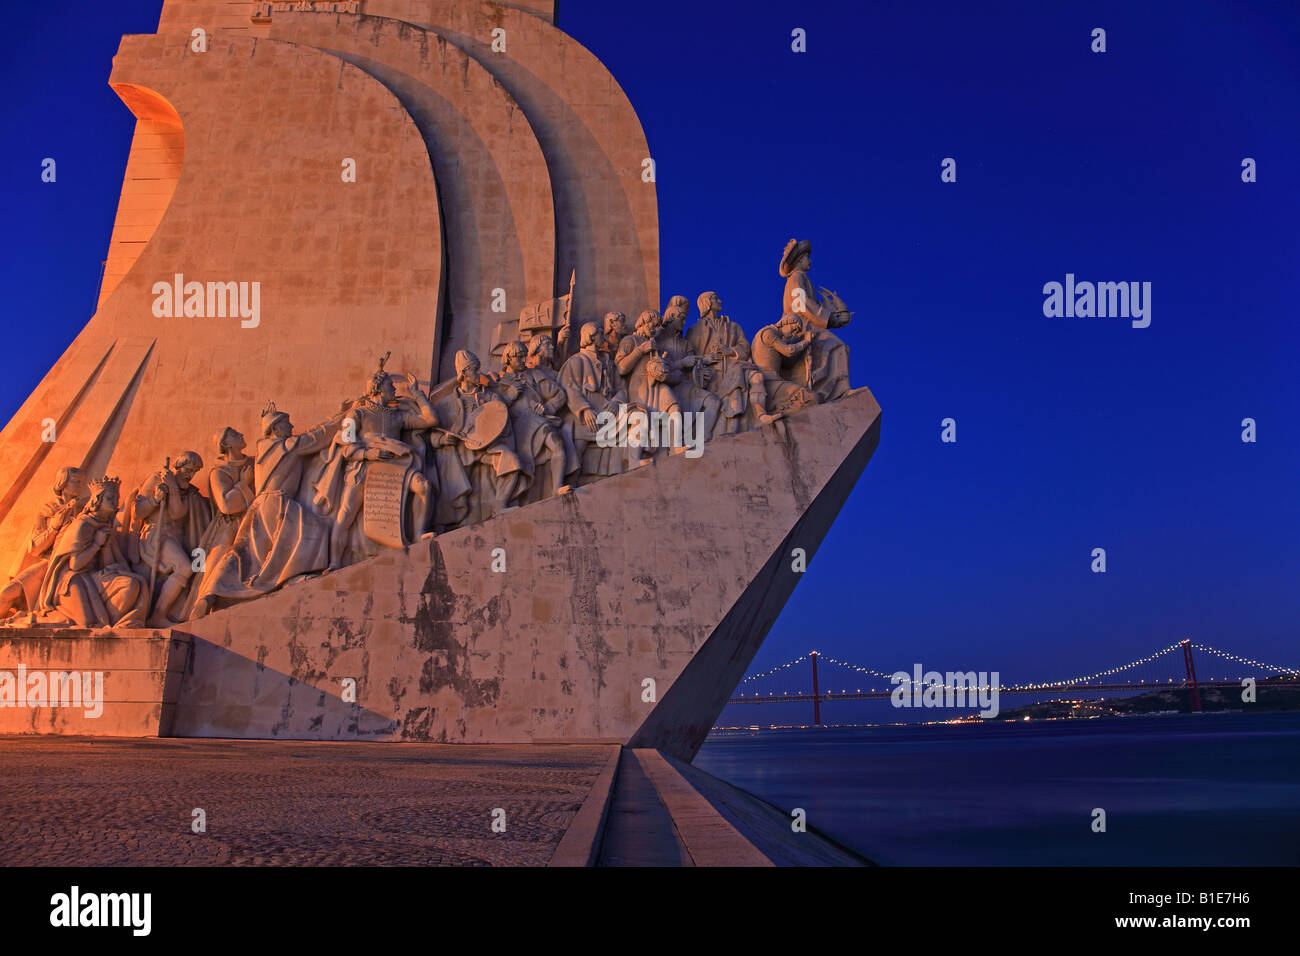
88 581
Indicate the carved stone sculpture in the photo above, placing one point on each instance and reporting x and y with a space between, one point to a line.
474 447
388 468
230 492
738 383
534 418
614 329
541 370
69 497
166 521
825 369
373 482
592 387
277 540
693 394
632 353
775 349
88 581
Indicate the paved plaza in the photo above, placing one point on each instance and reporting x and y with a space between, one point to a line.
104 802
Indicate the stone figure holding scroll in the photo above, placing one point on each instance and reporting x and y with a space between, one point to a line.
368 461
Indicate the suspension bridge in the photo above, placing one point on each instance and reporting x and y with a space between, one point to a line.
1151 672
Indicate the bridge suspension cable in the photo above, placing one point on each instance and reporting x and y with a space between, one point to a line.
1042 684
779 667
1246 660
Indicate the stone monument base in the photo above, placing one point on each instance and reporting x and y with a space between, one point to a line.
96 683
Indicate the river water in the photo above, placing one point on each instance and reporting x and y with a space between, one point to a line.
1177 790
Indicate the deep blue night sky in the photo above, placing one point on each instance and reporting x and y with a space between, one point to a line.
1072 433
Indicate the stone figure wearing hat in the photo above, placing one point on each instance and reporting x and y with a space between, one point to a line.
825 369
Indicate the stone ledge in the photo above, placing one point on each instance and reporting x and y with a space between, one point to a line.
137 678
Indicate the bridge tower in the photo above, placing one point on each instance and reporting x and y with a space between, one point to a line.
817 700
1191 675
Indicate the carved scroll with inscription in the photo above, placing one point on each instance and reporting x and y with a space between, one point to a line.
384 513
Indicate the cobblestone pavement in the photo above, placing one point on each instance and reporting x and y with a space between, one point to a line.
80 801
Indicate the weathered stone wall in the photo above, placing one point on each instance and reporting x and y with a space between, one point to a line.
140 671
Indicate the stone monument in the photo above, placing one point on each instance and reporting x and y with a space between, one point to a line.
586 541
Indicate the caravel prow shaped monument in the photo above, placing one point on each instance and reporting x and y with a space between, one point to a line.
309 478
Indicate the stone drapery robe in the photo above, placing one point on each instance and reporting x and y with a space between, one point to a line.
97 595
155 527
53 517
714 337
278 539
339 478
468 479
591 384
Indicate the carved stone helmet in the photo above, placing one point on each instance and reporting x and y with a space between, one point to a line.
464 359
794 251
